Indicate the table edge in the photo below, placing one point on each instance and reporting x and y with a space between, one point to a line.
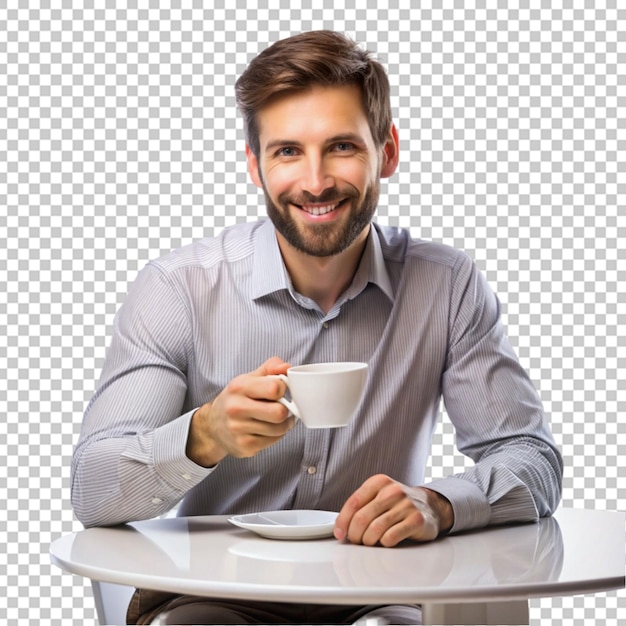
321 595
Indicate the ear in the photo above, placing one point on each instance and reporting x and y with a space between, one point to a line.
391 153
253 167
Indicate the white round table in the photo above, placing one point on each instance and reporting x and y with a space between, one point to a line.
485 576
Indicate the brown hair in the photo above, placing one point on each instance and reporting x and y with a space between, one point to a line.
322 58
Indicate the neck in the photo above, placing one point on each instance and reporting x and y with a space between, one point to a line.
323 279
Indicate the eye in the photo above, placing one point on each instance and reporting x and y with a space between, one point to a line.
344 146
287 151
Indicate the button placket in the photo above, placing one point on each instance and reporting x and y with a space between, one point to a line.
312 469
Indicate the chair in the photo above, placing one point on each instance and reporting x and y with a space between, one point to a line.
111 602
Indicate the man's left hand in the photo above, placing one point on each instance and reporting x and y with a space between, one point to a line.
383 511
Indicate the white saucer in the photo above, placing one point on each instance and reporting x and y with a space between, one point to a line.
288 524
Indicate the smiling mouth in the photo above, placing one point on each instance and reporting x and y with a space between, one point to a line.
320 209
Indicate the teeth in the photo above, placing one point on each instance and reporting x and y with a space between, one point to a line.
320 210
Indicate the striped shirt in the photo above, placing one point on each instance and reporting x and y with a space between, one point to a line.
419 313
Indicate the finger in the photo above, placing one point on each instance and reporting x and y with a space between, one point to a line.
354 505
269 428
372 510
373 520
252 387
248 412
249 436
266 431
387 525
403 521
269 388
274 365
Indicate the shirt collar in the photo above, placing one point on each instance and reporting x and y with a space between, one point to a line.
372 268
269 273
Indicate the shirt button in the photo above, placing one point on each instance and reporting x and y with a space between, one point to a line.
311 469
187 476
326 324
156 500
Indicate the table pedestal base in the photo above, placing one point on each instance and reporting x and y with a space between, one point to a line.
511 612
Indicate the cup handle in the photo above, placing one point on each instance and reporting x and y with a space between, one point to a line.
290 405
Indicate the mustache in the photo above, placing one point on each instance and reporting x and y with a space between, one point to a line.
328 196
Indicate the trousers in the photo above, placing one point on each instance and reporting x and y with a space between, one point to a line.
164 609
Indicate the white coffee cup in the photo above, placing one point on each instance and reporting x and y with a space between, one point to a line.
325 395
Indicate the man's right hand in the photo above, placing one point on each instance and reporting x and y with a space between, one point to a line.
243 419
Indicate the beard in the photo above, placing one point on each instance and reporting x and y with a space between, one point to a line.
324 239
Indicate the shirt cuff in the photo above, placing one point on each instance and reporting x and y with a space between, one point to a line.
470 505
170 458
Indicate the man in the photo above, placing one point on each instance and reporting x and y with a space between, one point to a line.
186 410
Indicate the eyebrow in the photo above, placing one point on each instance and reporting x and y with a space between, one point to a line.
347 137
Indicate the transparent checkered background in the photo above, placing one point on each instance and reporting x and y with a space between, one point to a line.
119 140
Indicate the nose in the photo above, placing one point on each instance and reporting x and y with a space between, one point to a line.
316 177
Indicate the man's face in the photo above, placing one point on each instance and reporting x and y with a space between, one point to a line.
319 168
